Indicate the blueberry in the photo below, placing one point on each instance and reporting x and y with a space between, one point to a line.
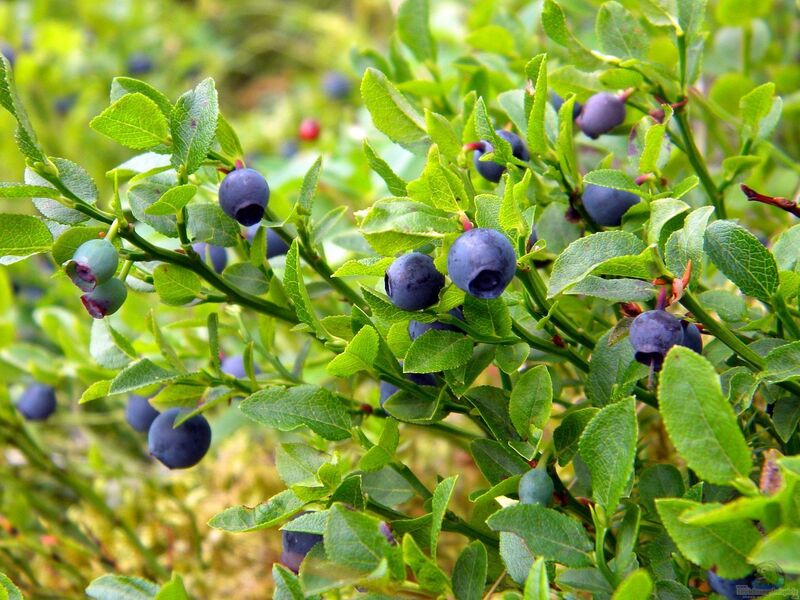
288 148
309 130
93 263
7 51
482 262
243 195
63 104
493 171
139 413
557 101
181 447
37 402
387 533
234 366
601 113
336 85
652 334
218 255
417 328
412 282
388 389
752 586
536 487
105 299
691 337
275 244
532 238
139 64
296 545
606 205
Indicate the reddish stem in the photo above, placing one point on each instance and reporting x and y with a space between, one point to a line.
782 203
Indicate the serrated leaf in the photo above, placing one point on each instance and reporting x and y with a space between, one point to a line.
496 461
615 179
699 420
176 285
779 548
21 190
240 519
608 447
120 86
173 200
22 236
441 498
309 187
290 408
134 121
531 400
414 30
394 182
296 288
469 574
619 33
193 125
24 134
391 113
546 532
567 435
536 72
437 350
359 355
742 258
636 586
119 587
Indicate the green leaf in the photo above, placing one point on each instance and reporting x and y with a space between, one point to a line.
785 249
175 285
619 33
414 30
228 139
144 193
699 420
687 244
108 348
207 223
517 557
531 400
21 190
119 587
395 225
779 548
469 574
10 590
193 125
724 545
138 375
24 134
663 213
567 435
437 350
359 355
536 72
442 134
296 288
565 142
441 498
614 290
583 255
660 481
548 533
287 585
120 86
240 519
172 201
496 461
608 447
492 38
537 586
742 258
394 182
492 405
615 179
783 363
309 187
754 106
371 266
174 590
353 540
426 571
636 586
391 113
290 408
247 277
134 121
22 236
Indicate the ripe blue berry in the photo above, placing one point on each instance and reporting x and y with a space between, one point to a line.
388 389
491 170
276 246
482 262
234 366
601 113
416 328
557 101
536 487
243 195
336 85
691 337
532 238
139 64
412 282
64 104
181 447
296 545
606 205
752 586
218 255
37 402
139 413
652 334
105 299
93 263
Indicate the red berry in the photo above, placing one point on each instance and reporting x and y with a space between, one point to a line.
309 130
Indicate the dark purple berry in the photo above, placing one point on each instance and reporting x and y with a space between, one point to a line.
296 545
482 262
243 195
181 447
139 64
412 282
606 205
600 114
388 389
417 328
491 170
217 254
752 586
276 246
652 334
234 366
557 101
37 402
692 338
139 413
336 85
7 51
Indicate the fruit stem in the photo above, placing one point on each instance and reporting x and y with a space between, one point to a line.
112 231
126 268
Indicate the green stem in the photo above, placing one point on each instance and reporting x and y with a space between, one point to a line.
699 165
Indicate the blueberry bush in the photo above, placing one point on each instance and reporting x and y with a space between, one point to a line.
566 254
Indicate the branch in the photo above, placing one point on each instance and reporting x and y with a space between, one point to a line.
782 203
